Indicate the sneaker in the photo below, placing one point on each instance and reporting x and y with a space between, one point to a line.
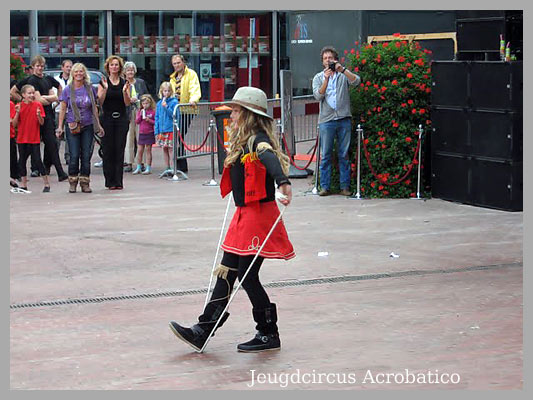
128 168
35 174
46 189
147 170
345 192
98 164
324 192
137 170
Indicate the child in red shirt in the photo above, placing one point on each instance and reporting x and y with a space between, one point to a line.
28 118
14 167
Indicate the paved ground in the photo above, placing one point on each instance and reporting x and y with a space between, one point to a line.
451 303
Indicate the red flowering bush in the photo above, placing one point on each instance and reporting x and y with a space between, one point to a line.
16 66
390 103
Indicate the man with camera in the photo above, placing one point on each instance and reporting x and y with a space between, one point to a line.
330 88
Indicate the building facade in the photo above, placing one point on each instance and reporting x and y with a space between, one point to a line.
218 45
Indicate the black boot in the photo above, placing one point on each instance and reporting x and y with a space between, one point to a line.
197 335
267 337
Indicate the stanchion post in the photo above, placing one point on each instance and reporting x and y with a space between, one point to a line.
317 162
212 128
359 130
420 133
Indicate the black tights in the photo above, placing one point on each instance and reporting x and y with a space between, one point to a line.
237 266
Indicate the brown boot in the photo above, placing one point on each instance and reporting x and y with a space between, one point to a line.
73 180
84 183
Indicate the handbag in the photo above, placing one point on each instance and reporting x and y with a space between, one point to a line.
75 127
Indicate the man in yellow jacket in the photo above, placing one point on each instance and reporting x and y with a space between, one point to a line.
187 90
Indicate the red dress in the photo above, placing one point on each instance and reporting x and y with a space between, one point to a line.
252 222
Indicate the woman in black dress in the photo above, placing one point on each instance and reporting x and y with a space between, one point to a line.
114 97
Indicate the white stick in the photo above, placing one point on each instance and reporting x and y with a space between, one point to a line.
243 278
218 248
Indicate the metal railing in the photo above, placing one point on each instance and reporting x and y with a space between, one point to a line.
195 132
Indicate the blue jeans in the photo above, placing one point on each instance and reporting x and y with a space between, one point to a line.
81 148
340 129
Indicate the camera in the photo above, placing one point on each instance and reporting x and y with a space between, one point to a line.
332 66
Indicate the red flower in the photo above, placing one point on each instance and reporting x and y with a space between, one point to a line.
357 42
409 102
363 61
408 139
404 105
385 192
376 85
368 83
426 77
345 51
365 141
396 66
379 109
394 82
407 181
385 44
373 184
381 133
377 146
398 44
382 139
366 88
356 69
413 111
383 146
382 97
412 195
397 34
396 125
428 90
422 111
352 51
408 64
401 59
383 88
409 75
381 187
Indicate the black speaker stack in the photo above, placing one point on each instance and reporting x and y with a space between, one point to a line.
476 144
479 33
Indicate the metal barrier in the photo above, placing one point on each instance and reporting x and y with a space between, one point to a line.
195 132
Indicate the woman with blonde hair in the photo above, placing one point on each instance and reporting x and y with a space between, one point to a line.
78 105
253 165
114 97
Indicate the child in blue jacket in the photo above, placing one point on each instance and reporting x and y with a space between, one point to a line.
163 128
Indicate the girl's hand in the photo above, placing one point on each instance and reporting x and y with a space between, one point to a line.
286 190
38 112
126 88
164 102
17 107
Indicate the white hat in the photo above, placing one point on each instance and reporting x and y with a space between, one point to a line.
252 99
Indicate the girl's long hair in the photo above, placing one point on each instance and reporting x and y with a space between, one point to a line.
248 125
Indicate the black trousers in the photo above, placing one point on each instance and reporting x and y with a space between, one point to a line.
26 150
51 149
113 146
224 286
13 159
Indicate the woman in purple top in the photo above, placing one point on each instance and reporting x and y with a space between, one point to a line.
80 91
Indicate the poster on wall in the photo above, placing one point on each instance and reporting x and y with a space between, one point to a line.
205 72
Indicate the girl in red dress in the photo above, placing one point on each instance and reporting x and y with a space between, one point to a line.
253 166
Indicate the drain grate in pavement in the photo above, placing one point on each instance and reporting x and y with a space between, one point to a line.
303 282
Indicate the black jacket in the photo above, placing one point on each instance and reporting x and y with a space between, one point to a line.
273 168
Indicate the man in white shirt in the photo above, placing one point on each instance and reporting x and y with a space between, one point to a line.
63 78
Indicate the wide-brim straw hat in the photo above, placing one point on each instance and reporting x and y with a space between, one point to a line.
252 99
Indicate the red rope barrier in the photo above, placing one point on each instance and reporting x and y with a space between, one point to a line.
410 168
221 142
190 149
290 155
